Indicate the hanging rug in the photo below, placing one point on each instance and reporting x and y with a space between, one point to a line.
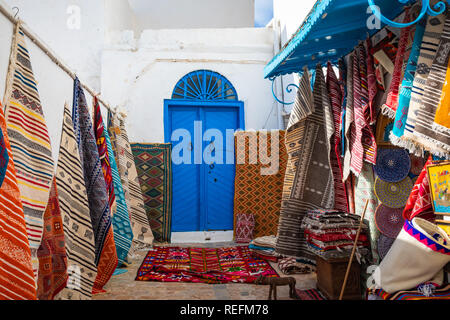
384 244
203 265
389 221
393 165
393 194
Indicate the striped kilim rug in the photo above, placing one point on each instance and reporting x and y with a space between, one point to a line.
73 203
123 235
97 194
52 276
203 265
154 169
17 280
30 142
142 233
257 193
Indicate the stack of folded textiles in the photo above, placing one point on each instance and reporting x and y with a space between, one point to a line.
264 247
331 234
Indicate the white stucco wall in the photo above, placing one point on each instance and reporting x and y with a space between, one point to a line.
57 25
138 77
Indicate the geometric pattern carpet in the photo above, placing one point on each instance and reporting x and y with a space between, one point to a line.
154 169
258 191
203 265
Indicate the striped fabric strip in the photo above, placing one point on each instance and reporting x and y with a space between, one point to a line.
105 249
349 119
437 142
78 232
142 233
372 85
17 280
362 141
390 107
30 142
406 87
336 96
123 234
428 49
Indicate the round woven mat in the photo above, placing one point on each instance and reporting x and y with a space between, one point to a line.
392 165
389 221
393 194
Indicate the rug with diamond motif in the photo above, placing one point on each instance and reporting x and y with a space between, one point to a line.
154 168
203 265
258 184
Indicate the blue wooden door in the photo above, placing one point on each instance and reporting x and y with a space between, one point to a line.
219 184
203 189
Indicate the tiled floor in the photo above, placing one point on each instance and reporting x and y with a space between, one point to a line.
123 287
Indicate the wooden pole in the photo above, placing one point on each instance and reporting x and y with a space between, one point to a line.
52 56
355 245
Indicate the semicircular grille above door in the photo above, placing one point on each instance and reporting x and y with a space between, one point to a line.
204 85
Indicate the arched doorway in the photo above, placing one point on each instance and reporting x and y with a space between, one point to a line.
200 120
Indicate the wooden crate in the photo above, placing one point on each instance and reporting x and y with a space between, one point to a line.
330 277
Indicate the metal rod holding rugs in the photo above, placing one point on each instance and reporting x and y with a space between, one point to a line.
41 45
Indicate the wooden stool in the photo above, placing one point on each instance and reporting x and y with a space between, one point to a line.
330 277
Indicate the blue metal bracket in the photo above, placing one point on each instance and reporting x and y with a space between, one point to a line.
288 90
437 9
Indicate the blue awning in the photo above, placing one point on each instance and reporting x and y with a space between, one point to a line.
330 31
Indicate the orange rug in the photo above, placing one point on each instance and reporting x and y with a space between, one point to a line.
258 188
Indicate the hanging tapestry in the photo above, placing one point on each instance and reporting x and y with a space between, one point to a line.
406 87
435 141
364 190
256 193
308 182
142 233
362 142
30 143
203 265
102 148
349 126
73 203
154 169
336 96
428 49
52 276
390 107
123 234
17 281
105 249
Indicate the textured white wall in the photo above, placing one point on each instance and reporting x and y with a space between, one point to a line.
140 78
54 85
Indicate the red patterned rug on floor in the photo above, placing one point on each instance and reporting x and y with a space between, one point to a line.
203 265
311 294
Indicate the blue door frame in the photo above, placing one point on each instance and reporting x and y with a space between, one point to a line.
171 104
